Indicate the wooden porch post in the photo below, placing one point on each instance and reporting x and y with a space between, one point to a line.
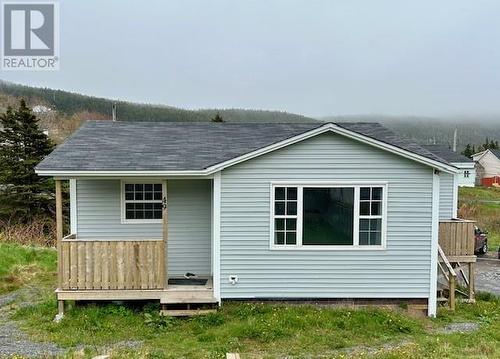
164 273
471 281
59 236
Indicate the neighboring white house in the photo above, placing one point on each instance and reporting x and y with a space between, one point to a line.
487 167
467 175
258 211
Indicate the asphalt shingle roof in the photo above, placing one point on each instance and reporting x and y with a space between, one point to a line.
447 153
182 146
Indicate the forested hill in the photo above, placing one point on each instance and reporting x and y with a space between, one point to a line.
428 130
71 103
68 110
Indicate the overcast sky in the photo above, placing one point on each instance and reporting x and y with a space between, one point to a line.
309 57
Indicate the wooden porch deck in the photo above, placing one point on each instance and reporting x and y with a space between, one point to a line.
456 250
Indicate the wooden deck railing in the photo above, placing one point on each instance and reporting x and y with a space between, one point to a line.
111 264
456 237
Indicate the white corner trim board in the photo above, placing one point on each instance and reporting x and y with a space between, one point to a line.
216 192
73 206
329 127
432 303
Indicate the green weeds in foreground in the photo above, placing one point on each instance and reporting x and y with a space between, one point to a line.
268 330
22 265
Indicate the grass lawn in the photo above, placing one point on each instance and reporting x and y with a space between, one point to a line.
23 265
269 331
473 204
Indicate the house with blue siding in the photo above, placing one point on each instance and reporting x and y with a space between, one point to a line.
197 213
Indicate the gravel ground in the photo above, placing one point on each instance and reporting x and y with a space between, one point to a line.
14 342
488 273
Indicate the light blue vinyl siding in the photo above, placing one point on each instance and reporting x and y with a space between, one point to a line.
189 203
402 270
445 196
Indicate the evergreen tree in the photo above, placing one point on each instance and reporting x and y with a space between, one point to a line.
23 194
217 118
468 151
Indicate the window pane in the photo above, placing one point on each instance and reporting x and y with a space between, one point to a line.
129 206
138 196
148 214
364 193
139 206
139 187
377 193
279 208
364 224
279 193
291 193
148 196
129 187
363 238
279 237
148 187
139 214
291 208
129 196
157 196
364 208
279 224
157 187
157 206
375 238
328 216
376 208
291 224
375 225
129 214
148 206
157 214
291 238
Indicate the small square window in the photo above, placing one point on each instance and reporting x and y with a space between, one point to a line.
140 201
291 224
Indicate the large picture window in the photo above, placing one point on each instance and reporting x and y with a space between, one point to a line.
142 202
336 216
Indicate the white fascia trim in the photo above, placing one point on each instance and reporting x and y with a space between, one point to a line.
218 167
463 165
216 200
432 303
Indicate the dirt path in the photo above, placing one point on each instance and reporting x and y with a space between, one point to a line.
13 341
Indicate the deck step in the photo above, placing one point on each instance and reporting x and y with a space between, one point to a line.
186 312
185 297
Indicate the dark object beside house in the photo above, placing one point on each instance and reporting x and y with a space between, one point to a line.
185 281
481 241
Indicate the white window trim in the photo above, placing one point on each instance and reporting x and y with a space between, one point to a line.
328 184
122 202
